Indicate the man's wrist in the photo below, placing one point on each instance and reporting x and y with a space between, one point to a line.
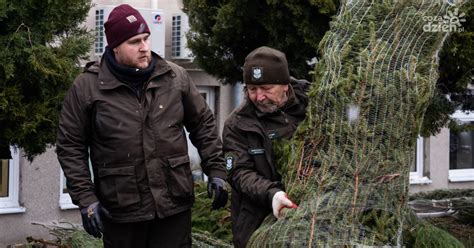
271 194
87 201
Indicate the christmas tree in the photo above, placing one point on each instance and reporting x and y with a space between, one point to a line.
348 165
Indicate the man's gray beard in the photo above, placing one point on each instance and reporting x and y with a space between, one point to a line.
269 108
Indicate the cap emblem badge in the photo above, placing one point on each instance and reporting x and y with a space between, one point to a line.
131 18
257 73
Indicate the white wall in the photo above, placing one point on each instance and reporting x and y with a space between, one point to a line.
39 194
438 163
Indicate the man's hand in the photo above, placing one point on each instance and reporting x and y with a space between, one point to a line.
280 201
91 219
220 193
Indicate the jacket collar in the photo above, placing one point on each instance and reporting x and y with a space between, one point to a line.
108 81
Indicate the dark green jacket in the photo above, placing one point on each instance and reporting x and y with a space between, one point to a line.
137 148
252 173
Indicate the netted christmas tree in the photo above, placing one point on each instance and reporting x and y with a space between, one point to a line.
348 165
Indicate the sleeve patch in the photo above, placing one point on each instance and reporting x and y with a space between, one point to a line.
229 161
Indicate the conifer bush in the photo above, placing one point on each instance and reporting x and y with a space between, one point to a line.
209 224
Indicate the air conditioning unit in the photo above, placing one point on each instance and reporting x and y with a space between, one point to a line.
154 19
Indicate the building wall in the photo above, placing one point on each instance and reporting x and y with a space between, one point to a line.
438 166
39 195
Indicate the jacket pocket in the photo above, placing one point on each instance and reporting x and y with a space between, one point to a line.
179 180
118 188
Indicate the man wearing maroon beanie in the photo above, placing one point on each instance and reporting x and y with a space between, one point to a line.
127 114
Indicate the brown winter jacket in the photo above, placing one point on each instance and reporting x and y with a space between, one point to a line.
138 148
252 173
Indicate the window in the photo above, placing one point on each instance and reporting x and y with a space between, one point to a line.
176 36
99 32
418 164
65 201
208 93
179 28
9 184
4 171
461 152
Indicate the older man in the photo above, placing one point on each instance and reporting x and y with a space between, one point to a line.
274 106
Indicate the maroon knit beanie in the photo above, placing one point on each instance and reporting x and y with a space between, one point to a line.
266 65
124 22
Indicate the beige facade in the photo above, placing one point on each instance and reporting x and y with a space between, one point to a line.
38 187
436 167
39 193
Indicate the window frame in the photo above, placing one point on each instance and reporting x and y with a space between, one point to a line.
11 203
65 201
462 175
210 95
210 98
417 177
100 40
176 37
179 42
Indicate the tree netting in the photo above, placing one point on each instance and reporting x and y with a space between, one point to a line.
347 166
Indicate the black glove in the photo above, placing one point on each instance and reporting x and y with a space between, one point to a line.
91 219
220 193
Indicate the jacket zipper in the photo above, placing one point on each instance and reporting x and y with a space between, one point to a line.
285 117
